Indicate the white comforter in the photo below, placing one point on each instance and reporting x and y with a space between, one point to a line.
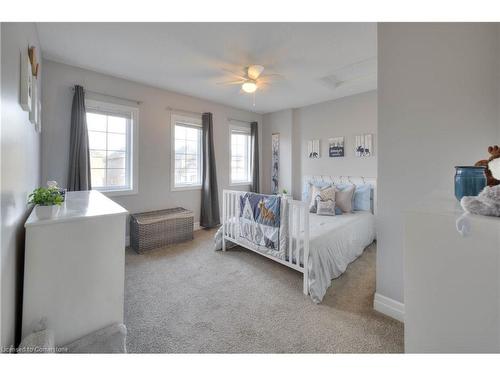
334 242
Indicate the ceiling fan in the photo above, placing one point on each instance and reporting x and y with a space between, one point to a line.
252 79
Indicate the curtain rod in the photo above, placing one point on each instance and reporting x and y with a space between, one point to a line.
109 96
183 111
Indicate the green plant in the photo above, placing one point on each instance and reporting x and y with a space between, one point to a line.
285 191
46 196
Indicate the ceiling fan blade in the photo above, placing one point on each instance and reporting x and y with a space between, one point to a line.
237 82
237 75
273 76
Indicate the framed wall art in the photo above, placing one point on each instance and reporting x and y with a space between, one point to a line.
364 145
26 82
313 149
336 147
275 147
34 101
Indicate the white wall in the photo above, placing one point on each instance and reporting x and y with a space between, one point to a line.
345 117
20 172
277 122
154 134
437 108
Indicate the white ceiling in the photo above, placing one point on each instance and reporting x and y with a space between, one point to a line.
190 58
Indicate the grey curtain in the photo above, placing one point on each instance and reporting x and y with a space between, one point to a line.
209 216
79 155
254 132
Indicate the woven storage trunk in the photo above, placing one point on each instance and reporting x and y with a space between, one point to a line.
155 229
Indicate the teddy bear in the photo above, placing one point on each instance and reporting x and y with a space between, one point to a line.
495 154
488 200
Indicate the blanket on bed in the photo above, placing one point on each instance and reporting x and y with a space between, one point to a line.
260 219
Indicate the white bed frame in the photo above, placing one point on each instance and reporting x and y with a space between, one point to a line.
298 232
298 223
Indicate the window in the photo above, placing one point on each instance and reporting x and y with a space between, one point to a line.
186 153
112 133
240 156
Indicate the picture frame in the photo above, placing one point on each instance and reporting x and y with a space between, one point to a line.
38 125
336 147
275 158
26 84
34 102
313 149
363 145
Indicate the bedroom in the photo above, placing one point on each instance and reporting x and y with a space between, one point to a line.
258 172
162 121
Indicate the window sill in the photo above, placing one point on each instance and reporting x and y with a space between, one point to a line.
240 183
185 188
117 193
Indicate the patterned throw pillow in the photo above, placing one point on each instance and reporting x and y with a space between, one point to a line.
326 207
324 194
328 194
315 192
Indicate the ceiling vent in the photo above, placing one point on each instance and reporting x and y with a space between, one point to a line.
362 71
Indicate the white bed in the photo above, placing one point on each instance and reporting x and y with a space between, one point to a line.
330 243
334 242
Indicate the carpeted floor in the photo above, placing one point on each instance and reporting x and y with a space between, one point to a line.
190 299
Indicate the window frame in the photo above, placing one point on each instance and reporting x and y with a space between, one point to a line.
246 130
109 108
195 122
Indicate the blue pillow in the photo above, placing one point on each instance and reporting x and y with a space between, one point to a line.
362 198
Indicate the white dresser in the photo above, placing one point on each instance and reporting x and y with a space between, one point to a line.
74 267
452 279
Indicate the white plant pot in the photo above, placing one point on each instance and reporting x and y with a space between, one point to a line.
46 212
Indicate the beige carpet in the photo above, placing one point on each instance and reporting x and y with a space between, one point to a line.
190 299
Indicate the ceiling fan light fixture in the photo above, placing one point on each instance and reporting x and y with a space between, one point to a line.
249 86
254 71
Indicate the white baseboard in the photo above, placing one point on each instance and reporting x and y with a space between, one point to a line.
389 307
196 226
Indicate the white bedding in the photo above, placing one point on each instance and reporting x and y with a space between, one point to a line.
334 242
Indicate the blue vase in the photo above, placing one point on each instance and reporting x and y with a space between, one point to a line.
469 181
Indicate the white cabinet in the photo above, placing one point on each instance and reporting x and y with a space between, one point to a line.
74 267
452 280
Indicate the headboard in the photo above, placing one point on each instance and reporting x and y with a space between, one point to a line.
355 180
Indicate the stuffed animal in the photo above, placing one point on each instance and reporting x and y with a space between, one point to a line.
495 154
488 201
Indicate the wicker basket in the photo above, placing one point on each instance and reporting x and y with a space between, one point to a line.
152 230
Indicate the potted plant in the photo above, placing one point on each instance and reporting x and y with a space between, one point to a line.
47 201
286 195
